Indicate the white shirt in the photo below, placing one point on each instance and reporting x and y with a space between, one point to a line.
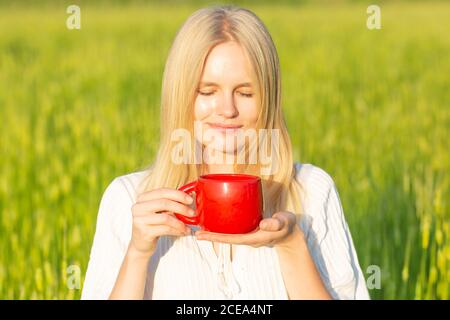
187 268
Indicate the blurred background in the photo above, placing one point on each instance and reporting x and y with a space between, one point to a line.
80 107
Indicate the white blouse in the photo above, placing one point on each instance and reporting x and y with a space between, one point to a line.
187 268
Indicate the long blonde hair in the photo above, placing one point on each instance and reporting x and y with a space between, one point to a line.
203 30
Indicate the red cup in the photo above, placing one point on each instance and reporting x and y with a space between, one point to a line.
226 203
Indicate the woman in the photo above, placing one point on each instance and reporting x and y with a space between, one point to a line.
222 71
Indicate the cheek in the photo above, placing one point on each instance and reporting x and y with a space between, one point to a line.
249 110
204 106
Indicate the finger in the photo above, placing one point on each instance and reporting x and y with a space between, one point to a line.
162 219
256 238
288 217
161 205
167 193
271 224
164 230
219 237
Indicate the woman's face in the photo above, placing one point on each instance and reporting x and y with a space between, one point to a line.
227 96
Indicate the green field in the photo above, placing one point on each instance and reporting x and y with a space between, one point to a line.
371 107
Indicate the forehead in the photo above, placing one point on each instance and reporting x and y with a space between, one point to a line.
227 62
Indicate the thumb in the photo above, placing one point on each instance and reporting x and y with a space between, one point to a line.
272 224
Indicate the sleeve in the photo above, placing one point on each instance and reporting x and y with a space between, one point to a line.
330 242
109 246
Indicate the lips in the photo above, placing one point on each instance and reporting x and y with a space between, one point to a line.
224 128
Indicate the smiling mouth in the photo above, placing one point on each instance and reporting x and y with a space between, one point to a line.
224 128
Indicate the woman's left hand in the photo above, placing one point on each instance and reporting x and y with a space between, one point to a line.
271 231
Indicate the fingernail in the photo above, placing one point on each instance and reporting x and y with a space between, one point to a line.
189 199
192 212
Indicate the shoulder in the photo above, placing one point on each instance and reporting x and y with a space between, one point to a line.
128 184
125 187
319 194
118 199
316 182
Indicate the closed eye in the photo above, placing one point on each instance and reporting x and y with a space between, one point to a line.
247 95
206 93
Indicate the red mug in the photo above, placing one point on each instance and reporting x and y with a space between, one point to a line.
226 203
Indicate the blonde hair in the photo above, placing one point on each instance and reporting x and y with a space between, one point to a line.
203 30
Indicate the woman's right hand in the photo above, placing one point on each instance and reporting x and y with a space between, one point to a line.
153 216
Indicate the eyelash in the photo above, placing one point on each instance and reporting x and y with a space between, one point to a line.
206 93
246 95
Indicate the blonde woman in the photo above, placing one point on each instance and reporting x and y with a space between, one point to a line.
222 74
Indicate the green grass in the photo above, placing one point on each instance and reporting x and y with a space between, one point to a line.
372 108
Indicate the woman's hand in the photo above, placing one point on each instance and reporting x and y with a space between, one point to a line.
277 230
153 217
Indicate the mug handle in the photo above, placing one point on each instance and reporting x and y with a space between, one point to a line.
188 188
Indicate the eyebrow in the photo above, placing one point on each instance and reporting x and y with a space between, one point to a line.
209 83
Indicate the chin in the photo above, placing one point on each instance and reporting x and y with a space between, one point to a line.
218 147
221 147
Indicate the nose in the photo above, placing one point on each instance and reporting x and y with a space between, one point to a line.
227 107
